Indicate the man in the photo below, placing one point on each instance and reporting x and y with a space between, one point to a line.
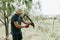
16 25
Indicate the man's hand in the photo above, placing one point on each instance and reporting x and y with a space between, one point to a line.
27 25
32 24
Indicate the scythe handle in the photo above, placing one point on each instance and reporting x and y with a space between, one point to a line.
29 19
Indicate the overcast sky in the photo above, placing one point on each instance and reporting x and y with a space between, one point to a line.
50 7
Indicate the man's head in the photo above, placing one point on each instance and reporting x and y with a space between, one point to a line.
19 11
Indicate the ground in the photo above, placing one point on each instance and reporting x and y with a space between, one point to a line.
44 30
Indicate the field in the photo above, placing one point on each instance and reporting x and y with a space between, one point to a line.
44 30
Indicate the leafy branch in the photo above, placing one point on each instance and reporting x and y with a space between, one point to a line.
2 21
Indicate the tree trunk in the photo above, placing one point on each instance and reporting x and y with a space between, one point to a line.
6 25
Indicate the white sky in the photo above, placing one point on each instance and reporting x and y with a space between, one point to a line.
49 7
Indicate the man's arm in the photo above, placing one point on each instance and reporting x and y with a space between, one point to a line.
23 20
19 26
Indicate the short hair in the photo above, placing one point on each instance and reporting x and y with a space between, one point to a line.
18 9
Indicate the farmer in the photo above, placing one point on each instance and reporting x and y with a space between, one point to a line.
16 25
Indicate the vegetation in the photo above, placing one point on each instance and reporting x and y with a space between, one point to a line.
46 28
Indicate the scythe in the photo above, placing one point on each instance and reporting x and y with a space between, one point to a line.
32 24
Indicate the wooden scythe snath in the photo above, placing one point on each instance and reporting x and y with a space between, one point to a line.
32 23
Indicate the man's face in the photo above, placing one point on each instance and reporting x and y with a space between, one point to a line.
19 12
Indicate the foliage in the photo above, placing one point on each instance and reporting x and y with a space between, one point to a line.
7 6
28 4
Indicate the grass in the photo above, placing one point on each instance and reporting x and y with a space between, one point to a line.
43 30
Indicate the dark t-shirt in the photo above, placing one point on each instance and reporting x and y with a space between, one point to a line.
15 30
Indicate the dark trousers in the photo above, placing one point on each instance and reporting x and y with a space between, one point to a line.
17 37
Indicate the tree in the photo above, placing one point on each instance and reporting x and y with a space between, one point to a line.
6 9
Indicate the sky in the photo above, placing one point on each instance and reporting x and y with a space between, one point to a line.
50 7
